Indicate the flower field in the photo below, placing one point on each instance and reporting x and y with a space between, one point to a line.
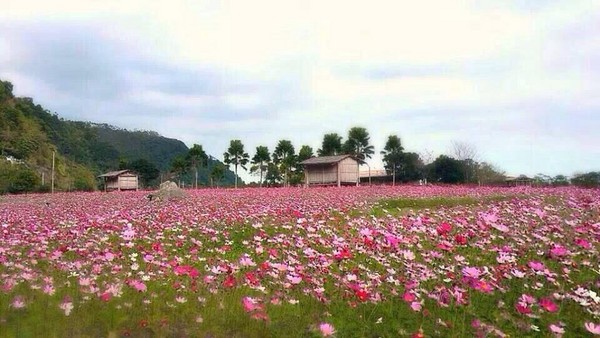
343 262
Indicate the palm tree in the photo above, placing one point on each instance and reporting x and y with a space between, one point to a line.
392 155
196 157
260 161
235 155
332 145
358 145
285 157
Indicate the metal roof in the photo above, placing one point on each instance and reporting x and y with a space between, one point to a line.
114 173
325 159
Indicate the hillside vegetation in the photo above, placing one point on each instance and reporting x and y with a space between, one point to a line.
29 134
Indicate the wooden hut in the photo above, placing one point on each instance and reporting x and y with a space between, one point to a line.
522 180
331 170
120 180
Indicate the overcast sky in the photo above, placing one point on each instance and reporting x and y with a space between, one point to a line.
519 80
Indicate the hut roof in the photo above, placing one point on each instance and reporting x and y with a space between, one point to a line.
325 159
115 173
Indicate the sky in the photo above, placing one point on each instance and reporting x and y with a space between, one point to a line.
517 80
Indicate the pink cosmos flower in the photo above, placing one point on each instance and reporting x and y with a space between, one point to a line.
416 306
471 272
593 328
548 305
18 302
537 266
558 251
583 243
557 329
326 329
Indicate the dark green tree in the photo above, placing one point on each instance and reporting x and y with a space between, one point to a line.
392 155
217 173
273 174
411 167
587 180
560 180
196 157
179 167
331 145
285 157
236 156
146 170
261 159
446 169
358 145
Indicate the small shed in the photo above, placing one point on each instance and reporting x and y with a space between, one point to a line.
331 170
120 180
522 180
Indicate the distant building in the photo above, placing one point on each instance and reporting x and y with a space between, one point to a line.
377 176
522 180
331 170
120 180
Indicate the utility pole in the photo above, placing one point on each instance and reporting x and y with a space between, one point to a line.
53 153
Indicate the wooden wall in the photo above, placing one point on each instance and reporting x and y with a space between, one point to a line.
322 174
348 170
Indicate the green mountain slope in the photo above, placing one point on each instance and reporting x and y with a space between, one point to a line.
29 135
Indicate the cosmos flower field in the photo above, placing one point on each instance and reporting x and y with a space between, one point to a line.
274 262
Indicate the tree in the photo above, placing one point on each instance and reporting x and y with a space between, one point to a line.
331 145
560 180
217 173
358 145
490 174
273 174
392 155
411 167
196 157
587 180
446 169
305 153
236 156
260 160
467 154
179 167
145 169
284 156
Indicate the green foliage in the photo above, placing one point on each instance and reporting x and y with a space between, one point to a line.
236 156
196 157
587 180
560 180
285 157
17 178
83 150
217 173
489 174
392 155
260 161
446 169
147 171
273 176
358 145
331 145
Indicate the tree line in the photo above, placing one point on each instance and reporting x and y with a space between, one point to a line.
282 166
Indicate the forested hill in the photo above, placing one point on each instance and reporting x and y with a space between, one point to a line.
29 134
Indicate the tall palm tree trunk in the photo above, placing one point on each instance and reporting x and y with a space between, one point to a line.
236 176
